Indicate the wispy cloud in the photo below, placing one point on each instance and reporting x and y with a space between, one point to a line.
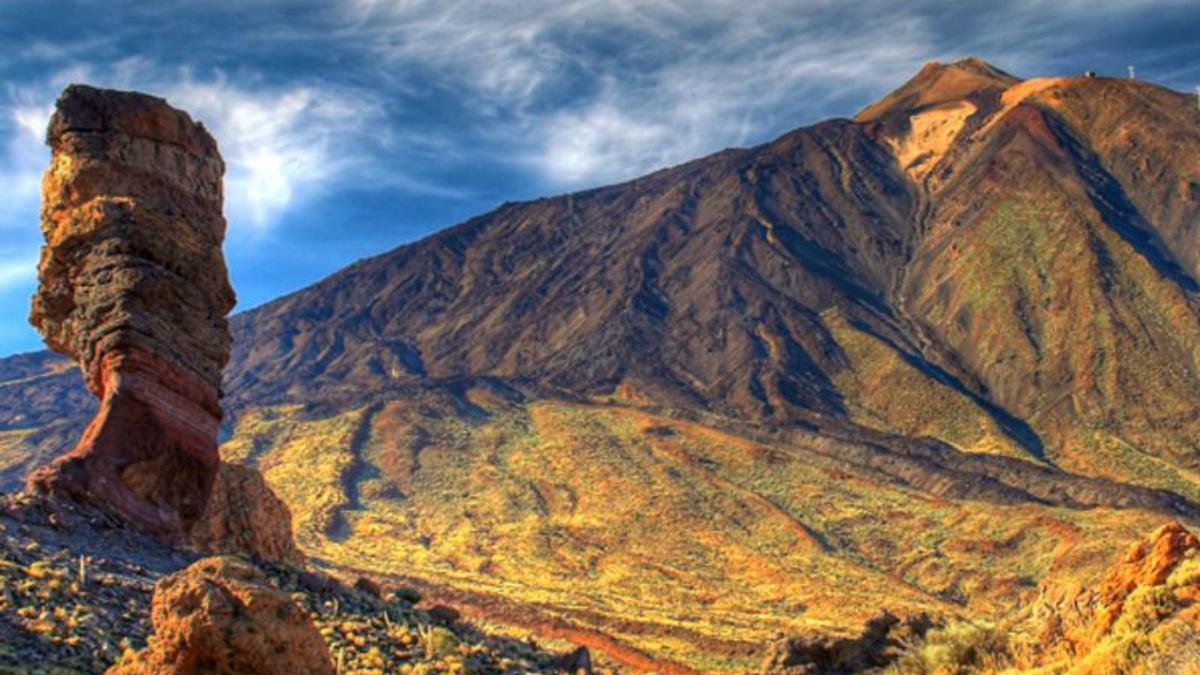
22 158
281 144
579 91
594 91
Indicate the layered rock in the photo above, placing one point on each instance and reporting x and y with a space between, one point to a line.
245 516
133 286
221 615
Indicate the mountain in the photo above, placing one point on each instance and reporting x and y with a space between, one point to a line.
1011 218
913 360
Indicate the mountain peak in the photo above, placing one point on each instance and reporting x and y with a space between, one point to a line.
937 84
979 67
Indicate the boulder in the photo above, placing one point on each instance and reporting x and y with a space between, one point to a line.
316 581
883 639
444 614
133 286
221 616
244 516
578 662
368 587
1147 563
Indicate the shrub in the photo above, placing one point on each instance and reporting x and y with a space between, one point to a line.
958 649
406 595
1145 607
1186 574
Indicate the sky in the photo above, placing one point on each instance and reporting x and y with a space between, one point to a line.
351 127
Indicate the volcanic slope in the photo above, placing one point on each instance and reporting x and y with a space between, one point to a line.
916 360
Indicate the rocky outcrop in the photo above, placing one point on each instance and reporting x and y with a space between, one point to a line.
882 640
1147 563
1148 586
221 615
244 516
133 286
76 584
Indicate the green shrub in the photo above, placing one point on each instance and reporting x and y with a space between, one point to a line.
404 594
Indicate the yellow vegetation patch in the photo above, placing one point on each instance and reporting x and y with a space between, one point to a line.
604 514
303 460
890 394
14 449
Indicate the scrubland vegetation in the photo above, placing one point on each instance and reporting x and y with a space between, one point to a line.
712 541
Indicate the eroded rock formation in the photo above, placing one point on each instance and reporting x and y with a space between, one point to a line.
245 516
221 615
1151 593
133 286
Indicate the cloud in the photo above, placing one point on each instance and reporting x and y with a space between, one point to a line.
280 143
593 91
764 80
22 159
602 142
579 91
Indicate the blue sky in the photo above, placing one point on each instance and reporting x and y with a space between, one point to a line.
352 127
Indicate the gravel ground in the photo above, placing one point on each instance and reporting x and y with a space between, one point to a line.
76 586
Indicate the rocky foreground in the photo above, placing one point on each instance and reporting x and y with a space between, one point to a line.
1141 616
80 592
